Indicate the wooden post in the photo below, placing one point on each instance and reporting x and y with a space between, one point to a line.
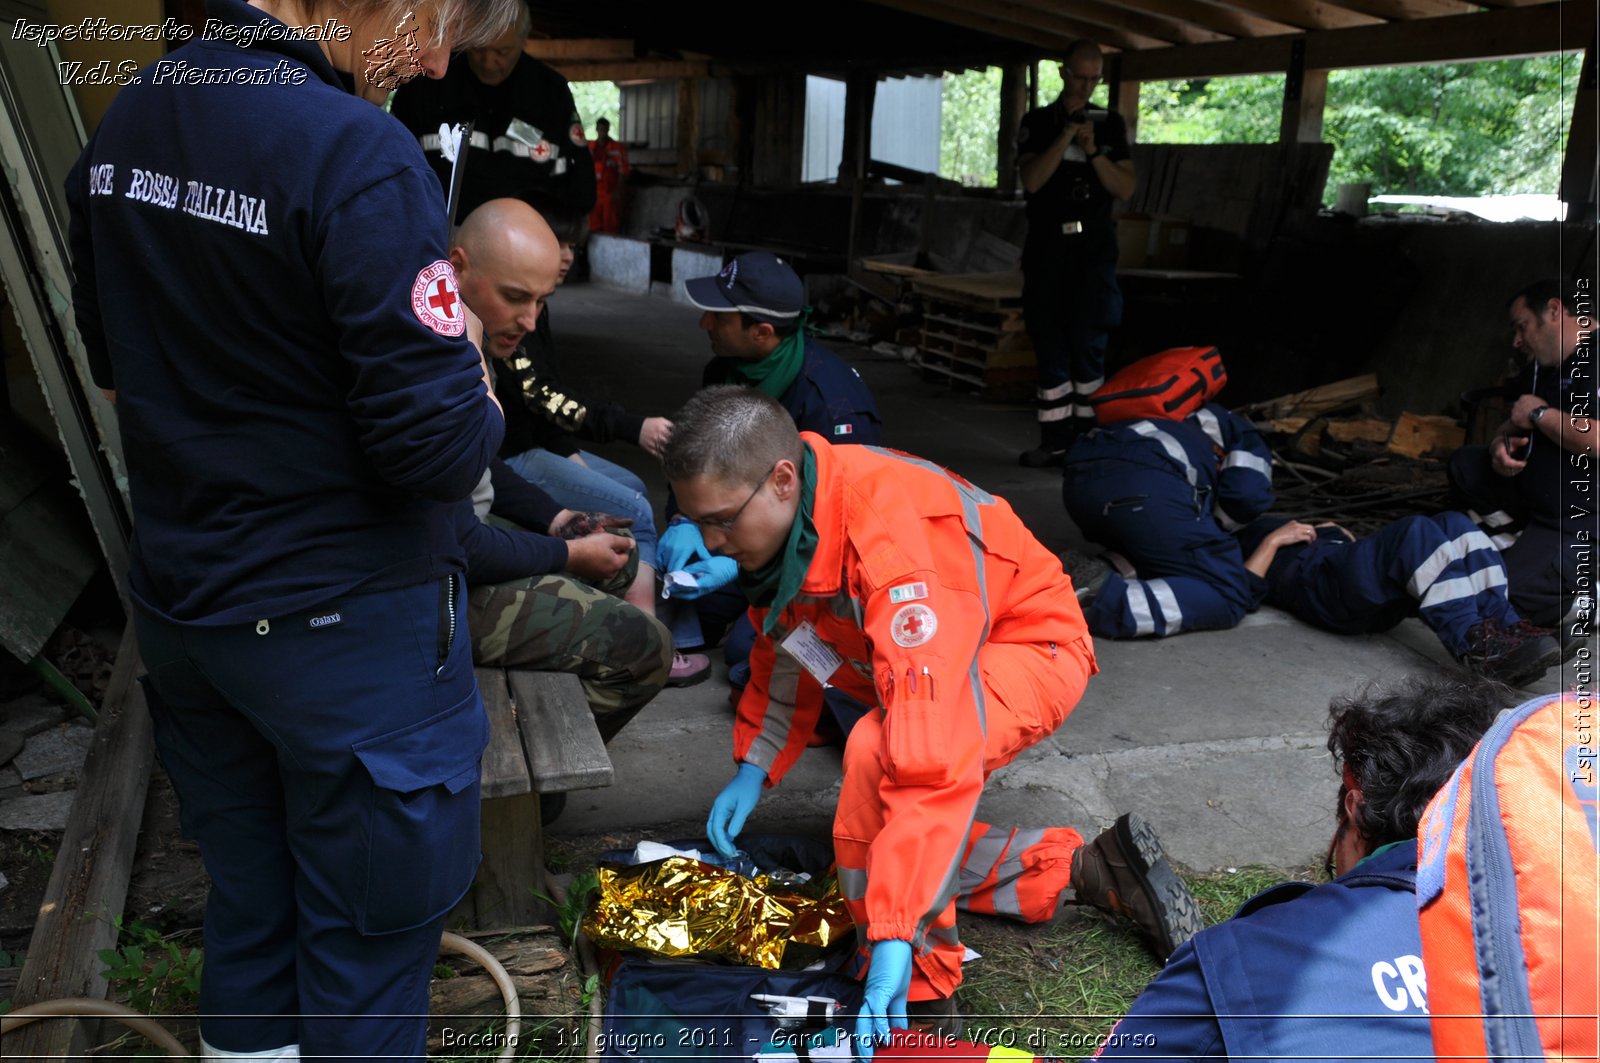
861 87
1578 176
1123 96
1013 102
688 127
1304 94
89 882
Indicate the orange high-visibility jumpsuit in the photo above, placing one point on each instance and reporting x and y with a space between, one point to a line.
958 626
610 167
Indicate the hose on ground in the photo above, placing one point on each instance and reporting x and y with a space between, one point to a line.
161 1037
82 1007
455 943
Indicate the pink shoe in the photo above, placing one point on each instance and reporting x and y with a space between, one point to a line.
688 669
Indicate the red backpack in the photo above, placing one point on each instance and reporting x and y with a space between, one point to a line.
1169 385
1507 879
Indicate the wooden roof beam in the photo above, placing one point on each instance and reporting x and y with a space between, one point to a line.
1453 38
1224 20
634 70
1304 14
1121 17
1047 32
1406 10
587 49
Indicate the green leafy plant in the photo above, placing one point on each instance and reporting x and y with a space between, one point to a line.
155 974
579 896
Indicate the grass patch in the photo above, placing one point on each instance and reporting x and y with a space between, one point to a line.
1058 988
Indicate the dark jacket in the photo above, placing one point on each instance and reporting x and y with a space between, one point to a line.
294 428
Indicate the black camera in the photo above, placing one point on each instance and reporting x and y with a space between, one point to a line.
1078 117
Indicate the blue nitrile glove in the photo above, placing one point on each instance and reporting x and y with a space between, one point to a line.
710 574
679 545
883 1001
733 806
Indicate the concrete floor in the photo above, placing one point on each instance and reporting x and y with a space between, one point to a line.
1216 737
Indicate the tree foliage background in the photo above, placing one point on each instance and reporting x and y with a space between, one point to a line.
1460 129
597 99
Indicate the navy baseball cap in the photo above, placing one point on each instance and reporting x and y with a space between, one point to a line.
757 283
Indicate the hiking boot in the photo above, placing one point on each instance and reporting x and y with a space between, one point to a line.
688 669
1125 871
939 1017
1515 655
1088 574
1042 457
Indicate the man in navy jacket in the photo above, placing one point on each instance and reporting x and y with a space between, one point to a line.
1333 971
262 280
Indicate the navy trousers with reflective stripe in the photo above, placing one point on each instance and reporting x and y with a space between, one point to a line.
1191 574
327 763
1070 304
1441 567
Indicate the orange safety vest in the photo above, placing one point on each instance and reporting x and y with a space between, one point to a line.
915 572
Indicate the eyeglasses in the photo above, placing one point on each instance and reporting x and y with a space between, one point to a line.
1088 79
725 524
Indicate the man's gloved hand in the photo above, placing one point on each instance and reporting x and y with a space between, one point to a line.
883 1003
710 574
733 806
679 545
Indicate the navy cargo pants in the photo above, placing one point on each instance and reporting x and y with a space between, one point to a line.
327 764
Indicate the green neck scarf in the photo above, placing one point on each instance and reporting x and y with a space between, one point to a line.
774 373
775 584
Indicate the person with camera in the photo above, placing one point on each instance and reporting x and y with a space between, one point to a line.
1538 472
1074 162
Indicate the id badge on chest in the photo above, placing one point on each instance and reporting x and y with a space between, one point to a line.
815 655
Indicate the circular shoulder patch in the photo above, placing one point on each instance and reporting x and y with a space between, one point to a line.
576 135
913 625
436 299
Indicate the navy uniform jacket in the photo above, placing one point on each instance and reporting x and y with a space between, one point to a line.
1214 453
1331 972
1073 192
261 274
557 165
828 398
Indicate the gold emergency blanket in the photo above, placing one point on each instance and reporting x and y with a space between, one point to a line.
682 907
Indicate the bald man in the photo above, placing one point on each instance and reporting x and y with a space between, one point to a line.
508 261
551 602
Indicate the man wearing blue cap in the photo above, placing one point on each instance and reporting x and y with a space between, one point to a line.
755 314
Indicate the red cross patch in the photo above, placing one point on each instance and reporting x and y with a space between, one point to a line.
543 151
913 625
436 299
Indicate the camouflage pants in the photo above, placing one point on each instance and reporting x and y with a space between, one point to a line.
560 624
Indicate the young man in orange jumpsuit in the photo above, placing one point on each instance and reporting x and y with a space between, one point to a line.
610 167
925 597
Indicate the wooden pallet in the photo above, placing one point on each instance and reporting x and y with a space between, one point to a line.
971 338
980 291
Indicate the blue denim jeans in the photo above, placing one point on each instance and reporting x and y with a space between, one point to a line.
602 486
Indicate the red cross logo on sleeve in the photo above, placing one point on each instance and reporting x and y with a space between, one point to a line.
443 299
434 297
913 625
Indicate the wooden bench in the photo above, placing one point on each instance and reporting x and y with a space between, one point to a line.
542 740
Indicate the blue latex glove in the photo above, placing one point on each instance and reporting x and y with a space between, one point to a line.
709 574
883 1003
679 545
733 806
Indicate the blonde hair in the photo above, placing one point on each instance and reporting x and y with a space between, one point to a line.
476 23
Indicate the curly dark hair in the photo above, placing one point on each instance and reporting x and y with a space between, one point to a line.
1400 742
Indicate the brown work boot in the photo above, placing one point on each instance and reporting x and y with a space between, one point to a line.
938 1017
1124 871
